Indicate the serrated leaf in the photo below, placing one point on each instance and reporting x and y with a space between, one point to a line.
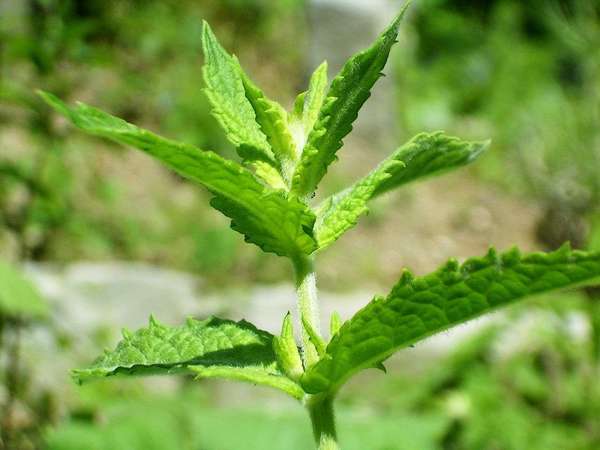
281 228
429 154
19 298
340 212
348 92
265 216
208 348
273 121
226 93
426 154
420 307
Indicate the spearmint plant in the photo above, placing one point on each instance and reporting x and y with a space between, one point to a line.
269 199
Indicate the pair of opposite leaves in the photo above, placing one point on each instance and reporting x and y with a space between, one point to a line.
284 157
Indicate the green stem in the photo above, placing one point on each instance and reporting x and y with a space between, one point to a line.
308 308
320 409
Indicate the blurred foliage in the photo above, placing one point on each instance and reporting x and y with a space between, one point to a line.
20 305
526 74
19 298
186 421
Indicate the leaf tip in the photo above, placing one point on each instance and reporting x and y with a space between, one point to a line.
479 148
153 322
451 266
76 376
54 102
400 16
406 278
208 37
380 366
492 254
287 327
512 256
126 333
323 67
335 323
205 27
565 248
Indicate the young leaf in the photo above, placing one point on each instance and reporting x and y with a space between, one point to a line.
19 299
420 307
266 217
424 155
315 96
273 121
315 339
348 92
286 349
298 109
308 105
312 101
208 348
296 122
335 323
226 93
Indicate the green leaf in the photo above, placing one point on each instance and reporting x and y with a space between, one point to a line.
266 217
424 155
314 337
276 225
207 348
286 349
19 299
420 307
308 105
269 175
226 93
297 112
348 92
340 212
335 323
315 96
429 154
273 121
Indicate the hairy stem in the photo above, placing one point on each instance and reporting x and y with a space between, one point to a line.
308 308
320 409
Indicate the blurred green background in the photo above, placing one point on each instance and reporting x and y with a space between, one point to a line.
525 74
